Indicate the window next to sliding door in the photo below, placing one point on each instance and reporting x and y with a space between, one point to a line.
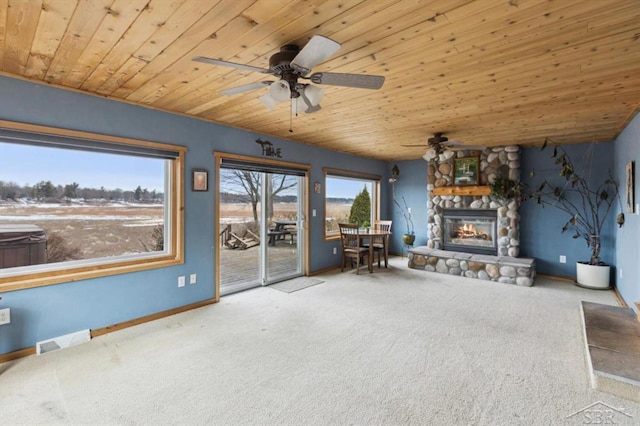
76 205
350 197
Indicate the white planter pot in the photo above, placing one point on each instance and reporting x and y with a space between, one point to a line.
593 276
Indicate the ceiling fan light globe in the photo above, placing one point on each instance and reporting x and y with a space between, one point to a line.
314 94
279 91
268 101
429 155
299 106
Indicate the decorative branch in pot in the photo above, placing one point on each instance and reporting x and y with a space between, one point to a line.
409 237
587 205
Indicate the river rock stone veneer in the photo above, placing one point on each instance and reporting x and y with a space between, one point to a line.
502 269
492 160
505 266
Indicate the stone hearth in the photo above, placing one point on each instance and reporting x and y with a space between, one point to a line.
502 269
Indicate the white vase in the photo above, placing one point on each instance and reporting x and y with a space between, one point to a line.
593 276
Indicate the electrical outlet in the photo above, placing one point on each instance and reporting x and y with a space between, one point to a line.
193 278
335 250
181 281
563 259
313 212
5 316
620 273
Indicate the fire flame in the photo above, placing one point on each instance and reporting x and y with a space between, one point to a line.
468 230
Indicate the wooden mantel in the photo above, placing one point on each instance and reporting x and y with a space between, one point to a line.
463 190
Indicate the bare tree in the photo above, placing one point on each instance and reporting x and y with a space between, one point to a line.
251 184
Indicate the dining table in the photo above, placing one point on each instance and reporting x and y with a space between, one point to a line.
371 235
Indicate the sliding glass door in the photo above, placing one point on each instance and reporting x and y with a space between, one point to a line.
284 227
261 223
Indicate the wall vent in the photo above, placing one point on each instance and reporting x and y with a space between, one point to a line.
62 342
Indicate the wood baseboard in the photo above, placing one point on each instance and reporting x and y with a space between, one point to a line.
558 277
20 353
322 271
621 301
115 327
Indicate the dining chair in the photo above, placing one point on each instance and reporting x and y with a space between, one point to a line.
381 242
351 248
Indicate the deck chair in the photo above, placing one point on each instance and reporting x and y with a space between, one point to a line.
351 248
381 243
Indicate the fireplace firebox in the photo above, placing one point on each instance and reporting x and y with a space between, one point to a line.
470 230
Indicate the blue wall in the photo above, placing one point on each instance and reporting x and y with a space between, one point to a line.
540 228
627 148
412 185
50 311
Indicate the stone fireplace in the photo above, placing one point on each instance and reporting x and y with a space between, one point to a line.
472 233
470 230
505 160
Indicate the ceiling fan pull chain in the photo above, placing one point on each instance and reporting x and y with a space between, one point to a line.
291 117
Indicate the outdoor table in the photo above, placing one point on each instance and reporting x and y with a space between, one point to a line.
280 229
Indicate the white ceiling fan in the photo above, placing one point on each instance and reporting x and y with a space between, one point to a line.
291 64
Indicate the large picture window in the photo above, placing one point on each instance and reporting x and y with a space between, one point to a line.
75 205
350 197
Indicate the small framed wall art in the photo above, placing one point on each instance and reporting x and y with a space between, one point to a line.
466 170
200 180
630 195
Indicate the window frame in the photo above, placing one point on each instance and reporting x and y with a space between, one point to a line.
101 267
348 174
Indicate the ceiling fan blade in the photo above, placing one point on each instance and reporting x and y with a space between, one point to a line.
230 64
317 50
361 81
456 145
245 88
465 148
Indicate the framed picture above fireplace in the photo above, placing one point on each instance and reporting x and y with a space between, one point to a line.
466 170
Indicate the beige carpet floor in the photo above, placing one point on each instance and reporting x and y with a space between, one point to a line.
295 284
394 347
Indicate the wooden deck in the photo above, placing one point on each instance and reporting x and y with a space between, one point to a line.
242 266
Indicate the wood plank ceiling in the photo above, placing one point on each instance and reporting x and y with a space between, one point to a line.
484 72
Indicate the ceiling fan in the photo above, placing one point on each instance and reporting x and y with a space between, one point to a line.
291 64
439 143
